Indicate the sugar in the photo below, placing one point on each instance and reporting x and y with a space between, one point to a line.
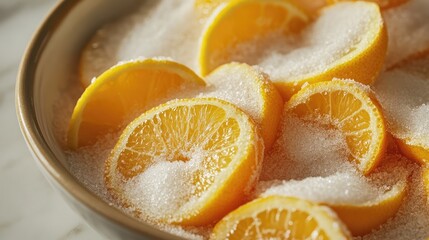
305 149
408 30
163 188
237 86
403 93
412 219
159 28
347 186
287 58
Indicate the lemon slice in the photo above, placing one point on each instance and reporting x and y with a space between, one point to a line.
403 93
349 107
348 40
123 92
238 21
250 90
187 161
277 217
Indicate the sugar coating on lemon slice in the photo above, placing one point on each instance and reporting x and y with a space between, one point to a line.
348 40
252 91
349 107
374 199
187 161
412 218
403 93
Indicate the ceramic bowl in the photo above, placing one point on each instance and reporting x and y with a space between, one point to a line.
51 57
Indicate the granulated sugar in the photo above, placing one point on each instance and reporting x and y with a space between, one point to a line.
159 28
345 187
412 220
163 188
333 35
236 84
408 30
306 149
405 100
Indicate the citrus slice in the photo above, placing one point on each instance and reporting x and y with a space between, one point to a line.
238 21
349 107
188 161
250 90
122 93
403 93
348 40
363 218
382 3
362 203
277 217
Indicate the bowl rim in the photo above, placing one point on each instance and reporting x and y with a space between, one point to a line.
36 142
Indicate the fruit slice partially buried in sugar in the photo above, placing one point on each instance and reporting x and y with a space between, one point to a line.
348 40
362 203
349 107
239 21
403 93
123 92
187 162
277 217
250 90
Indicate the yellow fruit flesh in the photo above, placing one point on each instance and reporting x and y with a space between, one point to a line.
344 106
362 219
240 21
223 136
279 217
122 93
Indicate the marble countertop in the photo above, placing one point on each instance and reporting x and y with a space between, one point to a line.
29 207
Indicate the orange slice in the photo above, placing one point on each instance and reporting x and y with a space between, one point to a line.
187 161
250 90
238 21
349 107
279 217
122 93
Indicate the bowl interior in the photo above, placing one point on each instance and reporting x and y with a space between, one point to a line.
47 72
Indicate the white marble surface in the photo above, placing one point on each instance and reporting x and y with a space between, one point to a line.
29 207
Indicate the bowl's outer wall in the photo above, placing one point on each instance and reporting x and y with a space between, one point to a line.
45 73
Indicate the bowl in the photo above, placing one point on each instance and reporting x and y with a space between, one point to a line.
49 60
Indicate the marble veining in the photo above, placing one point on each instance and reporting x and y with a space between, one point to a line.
29 207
